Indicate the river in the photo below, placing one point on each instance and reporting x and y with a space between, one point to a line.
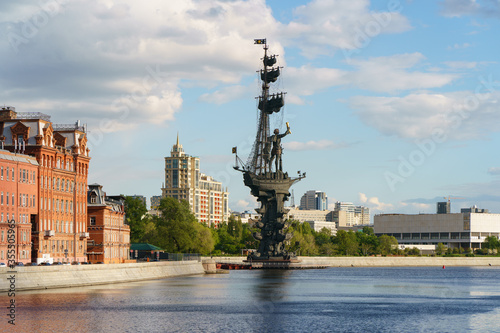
405 299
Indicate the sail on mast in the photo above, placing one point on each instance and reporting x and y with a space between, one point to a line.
267 105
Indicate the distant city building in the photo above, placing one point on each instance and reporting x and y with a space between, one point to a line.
319 225
314 200
109 236
140 197
309 215
317 219
466 230
474 209
184 181
59 224
443 207
155 201
247 216
350 215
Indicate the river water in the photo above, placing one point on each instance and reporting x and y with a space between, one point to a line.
416 299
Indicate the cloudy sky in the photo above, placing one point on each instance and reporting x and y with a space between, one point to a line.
392 104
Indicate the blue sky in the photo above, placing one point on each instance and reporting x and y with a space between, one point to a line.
392 104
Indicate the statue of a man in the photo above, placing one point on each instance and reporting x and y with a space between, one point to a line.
276 151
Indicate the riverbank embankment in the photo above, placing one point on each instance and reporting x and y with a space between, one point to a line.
384 261
60 276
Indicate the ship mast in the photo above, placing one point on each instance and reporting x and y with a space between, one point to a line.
268 104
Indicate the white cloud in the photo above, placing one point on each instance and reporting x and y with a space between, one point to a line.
374 203
324 26
134 53
312 145
457 46
458 115
494 171
396 74
458 8
461 64
225 94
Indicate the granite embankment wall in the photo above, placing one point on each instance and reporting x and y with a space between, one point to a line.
44 277
385 261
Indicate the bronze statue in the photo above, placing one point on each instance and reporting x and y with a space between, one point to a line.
277 149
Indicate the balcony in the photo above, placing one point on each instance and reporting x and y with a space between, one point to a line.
49 233
84 235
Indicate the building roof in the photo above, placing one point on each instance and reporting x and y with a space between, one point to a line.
144 247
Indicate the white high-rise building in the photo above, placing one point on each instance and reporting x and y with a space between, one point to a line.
184 181
354 215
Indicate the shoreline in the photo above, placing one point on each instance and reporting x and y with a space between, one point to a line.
384 261
48 277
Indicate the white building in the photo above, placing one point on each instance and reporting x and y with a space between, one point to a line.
317 219
350 215
466 230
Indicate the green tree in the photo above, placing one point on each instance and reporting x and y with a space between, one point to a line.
368 231
303 234
367 241
440 249
135 216
347 243
387 244
323 237
179 231
491 242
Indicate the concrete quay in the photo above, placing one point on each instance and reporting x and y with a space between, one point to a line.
316 262
61 276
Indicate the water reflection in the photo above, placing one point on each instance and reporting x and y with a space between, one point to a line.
338 299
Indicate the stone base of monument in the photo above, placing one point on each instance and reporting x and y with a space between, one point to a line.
279 263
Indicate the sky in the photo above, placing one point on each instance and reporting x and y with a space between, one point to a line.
392 104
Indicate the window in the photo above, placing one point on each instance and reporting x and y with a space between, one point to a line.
13 199
13 175
1 199
1 174
92 220
7 175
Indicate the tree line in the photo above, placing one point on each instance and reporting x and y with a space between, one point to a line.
177 230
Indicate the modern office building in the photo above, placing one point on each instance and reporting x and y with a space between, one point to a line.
314 200
109 236
444 207
184 181
155 201
18 204
59 228
466 230
350 215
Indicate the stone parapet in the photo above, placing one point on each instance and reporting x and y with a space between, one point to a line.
60 276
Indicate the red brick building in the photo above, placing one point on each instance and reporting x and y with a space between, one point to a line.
109 236
59 230
18 202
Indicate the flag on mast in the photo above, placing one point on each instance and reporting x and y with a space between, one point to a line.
259 41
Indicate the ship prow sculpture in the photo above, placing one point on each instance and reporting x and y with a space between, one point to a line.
267 180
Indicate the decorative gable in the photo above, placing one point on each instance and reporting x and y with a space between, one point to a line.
48 133
20 132
60 139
